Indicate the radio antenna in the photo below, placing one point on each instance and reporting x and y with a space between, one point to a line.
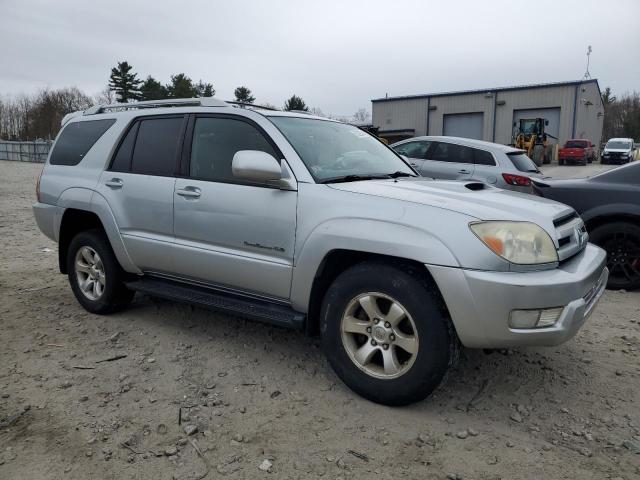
587 75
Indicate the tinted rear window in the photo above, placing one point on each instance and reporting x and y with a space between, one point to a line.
77 139
156 148
522 162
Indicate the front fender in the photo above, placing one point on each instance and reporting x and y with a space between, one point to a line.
382 237
611 209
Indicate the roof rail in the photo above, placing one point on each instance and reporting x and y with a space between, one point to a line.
251 105
169 102
305 112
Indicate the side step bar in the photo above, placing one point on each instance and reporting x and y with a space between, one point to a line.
217 300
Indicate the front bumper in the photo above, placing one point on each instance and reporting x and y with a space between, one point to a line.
480 302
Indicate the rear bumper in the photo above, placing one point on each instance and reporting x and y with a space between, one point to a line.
480 302
48 219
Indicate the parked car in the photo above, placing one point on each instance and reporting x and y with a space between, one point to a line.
310 223
454 158
609 204
577 151
618 150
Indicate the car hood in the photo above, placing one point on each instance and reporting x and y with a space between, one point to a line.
469 198
617 150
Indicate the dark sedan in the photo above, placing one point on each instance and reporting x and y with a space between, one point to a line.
609 203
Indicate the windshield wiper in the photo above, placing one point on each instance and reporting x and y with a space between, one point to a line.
353 178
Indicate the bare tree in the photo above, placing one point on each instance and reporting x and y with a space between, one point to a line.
362 116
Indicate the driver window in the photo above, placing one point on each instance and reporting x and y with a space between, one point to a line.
216 141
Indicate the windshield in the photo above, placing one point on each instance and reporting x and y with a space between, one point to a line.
522 162
332 150
618 145
575 144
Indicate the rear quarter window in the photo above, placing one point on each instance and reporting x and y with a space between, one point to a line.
76 140
522 162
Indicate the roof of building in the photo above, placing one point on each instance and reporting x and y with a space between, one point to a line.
489 90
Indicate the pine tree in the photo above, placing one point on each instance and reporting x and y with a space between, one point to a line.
296 103
204 89
124 83
181 86
151 89
243 95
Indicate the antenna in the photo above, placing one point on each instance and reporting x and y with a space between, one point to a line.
587 75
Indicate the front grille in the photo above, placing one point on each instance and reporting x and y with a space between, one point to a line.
571 234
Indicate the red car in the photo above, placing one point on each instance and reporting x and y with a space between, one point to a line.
578 151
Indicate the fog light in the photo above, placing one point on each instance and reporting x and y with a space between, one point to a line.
534 318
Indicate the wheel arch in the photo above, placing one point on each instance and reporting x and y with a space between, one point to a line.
339 260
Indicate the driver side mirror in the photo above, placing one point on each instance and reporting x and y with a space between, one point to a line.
256 166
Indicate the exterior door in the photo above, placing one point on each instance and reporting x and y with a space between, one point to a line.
139 189
466 125
229 232
449 161
415 151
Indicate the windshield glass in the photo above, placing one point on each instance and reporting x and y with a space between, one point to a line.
332 150
618 145
522 162
575 144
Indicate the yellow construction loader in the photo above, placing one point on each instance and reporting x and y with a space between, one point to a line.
530 136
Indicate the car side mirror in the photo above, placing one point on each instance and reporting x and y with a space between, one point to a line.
256 166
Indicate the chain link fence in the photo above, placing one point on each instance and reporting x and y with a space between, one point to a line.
35 152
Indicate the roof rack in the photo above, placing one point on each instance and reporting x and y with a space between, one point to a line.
170 102
305 112
252 106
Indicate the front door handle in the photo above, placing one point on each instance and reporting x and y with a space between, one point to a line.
462 170
189 192
114 183
413 164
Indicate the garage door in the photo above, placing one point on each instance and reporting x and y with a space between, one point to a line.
467 125
551 114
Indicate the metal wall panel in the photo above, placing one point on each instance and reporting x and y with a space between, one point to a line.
466 125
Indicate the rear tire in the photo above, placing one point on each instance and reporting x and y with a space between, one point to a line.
95 276
538 154
374 363
561 161
621 240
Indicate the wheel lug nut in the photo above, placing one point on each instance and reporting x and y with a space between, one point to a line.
368 329
374 343
387 324
376 320
392 337
385 346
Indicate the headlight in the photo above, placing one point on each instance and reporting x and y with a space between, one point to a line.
518 242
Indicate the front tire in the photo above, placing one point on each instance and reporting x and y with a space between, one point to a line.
95 276
385 334
621 240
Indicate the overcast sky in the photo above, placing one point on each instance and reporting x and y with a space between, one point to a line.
337 55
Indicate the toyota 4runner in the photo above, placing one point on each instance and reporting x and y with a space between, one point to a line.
313 224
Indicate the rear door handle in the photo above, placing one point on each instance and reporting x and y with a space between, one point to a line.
189 192
413 164
462 170
114 183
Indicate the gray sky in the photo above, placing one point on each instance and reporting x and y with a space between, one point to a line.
336 54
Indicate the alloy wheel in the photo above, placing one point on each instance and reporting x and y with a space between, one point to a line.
379 335
623 257
90 273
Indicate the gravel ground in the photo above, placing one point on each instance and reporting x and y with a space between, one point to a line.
263 403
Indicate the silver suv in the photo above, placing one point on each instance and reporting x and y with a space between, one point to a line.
311 224
455 158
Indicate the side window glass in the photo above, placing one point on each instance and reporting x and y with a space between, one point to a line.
450 152
216 141
414 149
156 148
122 160
76 140
483 158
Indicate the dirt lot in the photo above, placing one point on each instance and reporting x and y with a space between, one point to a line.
259 393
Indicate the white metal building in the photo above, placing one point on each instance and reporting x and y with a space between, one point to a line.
574 110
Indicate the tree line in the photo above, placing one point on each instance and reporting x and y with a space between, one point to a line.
621 115
38 116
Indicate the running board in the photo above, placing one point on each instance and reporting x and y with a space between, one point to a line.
217 300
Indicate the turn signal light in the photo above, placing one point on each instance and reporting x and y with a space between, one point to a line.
517 180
